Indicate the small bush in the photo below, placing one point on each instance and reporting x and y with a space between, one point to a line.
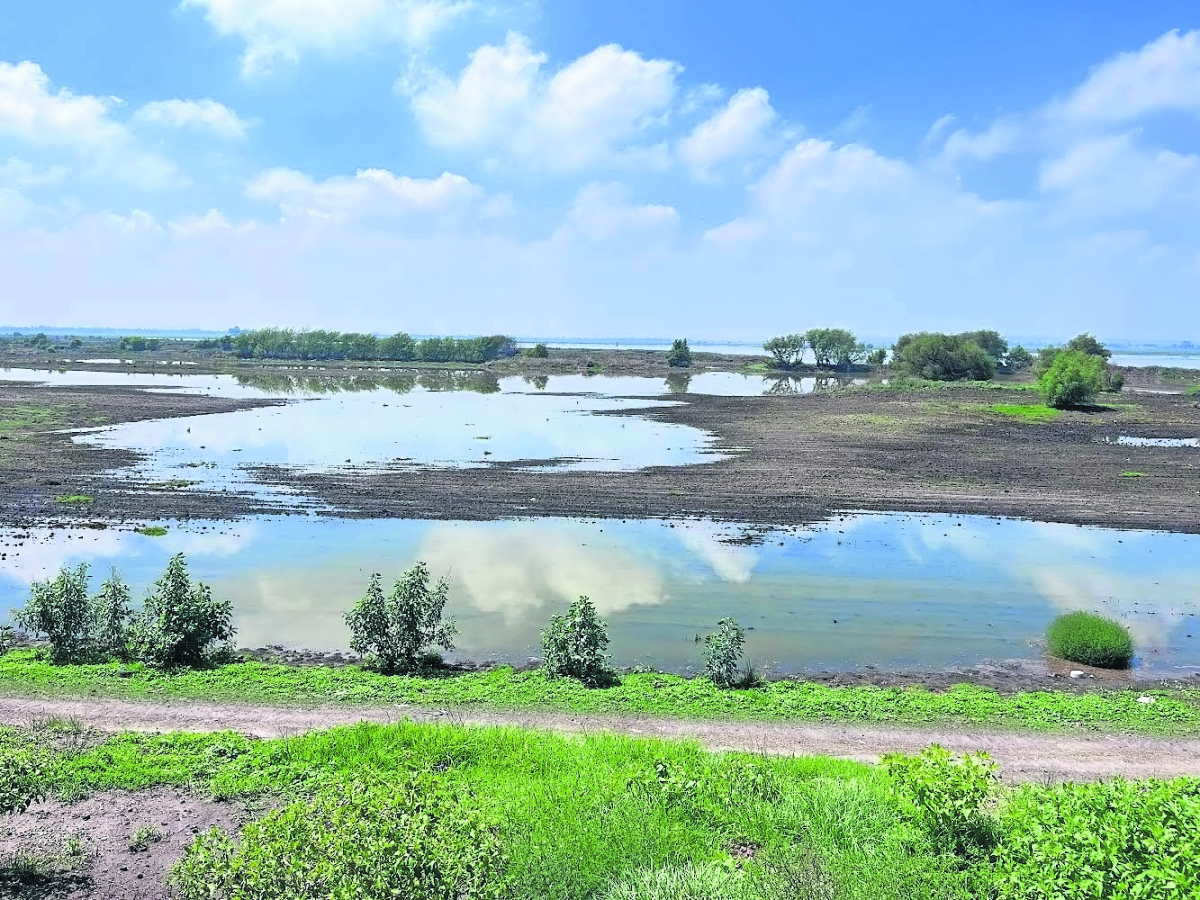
942 357
1100 841
181 623
1073 379
679 356
399 632
60 610
24 778
574 642
947 794
538 351
1090 639
412 841
723 652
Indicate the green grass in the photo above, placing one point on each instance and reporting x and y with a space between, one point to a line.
1176 712
22 417
579 816
152 531
74 498
1134 475
1193 391
1090 639
1034 412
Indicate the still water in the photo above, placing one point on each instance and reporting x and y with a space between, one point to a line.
888 590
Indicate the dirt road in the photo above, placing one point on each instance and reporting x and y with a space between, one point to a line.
1022 756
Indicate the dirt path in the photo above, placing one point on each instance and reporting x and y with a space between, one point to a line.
1027 757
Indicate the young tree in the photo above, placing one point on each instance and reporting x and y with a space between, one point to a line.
400 632
787 349
1074 379
111 615
574 644
59 609
1019 358
723 652
679 356
835 348
989 341
1085 343
182 624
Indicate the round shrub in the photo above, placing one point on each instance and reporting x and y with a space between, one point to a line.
1090 639
413 841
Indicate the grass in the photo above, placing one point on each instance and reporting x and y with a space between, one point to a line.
1193 391
579 817
1177 711
1034 412
74 498
152 531
1134 475
1093 640
24 417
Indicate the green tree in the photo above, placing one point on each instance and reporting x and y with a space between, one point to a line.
679 356
989 341
59 609
787 350
723 652
1085 343
877 357
835 348
943 357
400 632
574 645
181 624
1073 379
1019 358
111 615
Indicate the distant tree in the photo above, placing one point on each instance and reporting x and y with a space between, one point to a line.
787 350
990 341
943 357
877 357
1045 359
1085 343
538 351
1019 358
398 347
75 344
1073 379
39 341
835 348
679 356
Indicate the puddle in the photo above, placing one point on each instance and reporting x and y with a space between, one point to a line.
894 591
1131 441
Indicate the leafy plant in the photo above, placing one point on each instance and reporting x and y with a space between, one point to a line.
60 610
1102 841
574 645
679 356
24 778
401 630
942 357
1073 379
723 652
143 837
947 794
877 357
416 840
538 351
667 786
1093 640
787 350
182 624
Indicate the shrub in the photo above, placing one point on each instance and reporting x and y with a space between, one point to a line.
1090 639
787 350
111 615
399 632
877 357
943 357
1114 382
1088 345
60 610
723 652
182 624
1100 841
835 348
413 841
1073 379
1193 391
990 342
24 778
679 356
1019 358
947 794
574 642
538 351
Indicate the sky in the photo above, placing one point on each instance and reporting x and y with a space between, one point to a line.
559 167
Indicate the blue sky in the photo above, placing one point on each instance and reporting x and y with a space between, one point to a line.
654 167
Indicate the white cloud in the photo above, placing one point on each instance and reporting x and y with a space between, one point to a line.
1163 76
741 129
603 211
55 121
371 193
595 110
277 31
195 115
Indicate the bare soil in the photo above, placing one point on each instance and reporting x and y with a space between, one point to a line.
1022 756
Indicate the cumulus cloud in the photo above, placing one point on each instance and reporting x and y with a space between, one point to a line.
276 31
597 109
603 211
741 129
195 115
370 193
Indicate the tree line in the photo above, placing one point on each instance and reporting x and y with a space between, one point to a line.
317 344
832 348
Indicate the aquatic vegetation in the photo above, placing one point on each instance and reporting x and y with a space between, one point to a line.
1132 474
1090 639
152 531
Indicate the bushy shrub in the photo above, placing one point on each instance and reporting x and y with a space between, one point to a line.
835 348
1019 358
416 840
723 652
942 357
787 350
1101 841
1073 379
111 615
877 357
679 356
59 609
989 341
1090 639
24 778
574 644
947 794
1114 381
400 631
182 624
538 351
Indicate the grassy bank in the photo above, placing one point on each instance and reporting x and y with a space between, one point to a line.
1174 712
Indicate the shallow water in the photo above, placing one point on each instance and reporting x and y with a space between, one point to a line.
1132 441
1156 359
893 591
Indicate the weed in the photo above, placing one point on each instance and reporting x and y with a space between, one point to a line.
143 837
1132 474
723 652
152 531
1090 639
947 794
74 498
1193 391
574 645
